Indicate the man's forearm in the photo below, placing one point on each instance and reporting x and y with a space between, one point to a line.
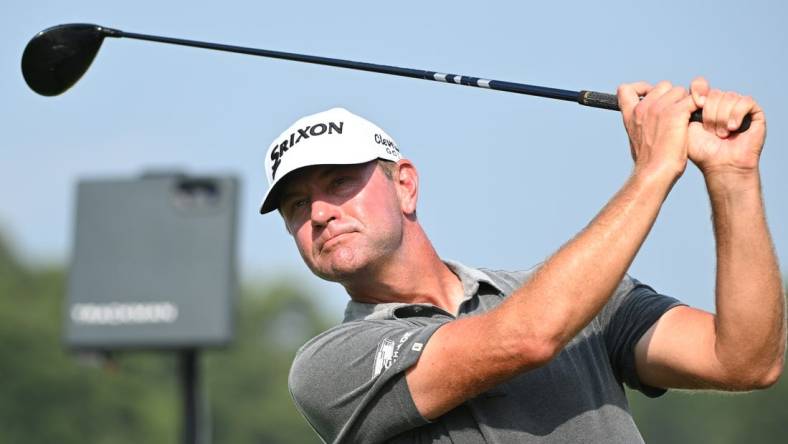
576 282
750 321
537 320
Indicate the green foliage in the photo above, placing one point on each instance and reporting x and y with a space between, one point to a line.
51 395
720 418
248 383
47 396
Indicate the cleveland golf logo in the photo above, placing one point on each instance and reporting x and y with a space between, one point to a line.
304 133
388 143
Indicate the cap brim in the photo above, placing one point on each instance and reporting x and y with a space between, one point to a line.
271 199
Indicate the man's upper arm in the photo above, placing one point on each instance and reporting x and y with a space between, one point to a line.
350 384
678 351
632 310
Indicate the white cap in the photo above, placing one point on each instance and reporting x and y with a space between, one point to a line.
333 137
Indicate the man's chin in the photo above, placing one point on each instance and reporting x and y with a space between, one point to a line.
339 273
341 269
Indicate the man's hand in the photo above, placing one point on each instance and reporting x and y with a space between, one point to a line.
713 146
657 126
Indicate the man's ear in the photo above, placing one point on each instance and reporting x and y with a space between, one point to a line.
406 180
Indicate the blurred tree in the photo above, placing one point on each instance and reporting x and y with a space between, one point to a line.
47 396
248 383
51 395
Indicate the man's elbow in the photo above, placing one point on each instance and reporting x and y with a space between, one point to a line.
540 347
541 352
771 376
758 378
527 345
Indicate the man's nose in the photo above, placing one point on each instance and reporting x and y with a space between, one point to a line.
323 212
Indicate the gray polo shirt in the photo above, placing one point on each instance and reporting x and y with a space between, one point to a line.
349 382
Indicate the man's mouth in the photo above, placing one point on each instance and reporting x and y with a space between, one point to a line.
333 240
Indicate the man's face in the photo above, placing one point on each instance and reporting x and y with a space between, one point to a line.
345 219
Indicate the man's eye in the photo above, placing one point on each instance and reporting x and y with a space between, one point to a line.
293 206
342 180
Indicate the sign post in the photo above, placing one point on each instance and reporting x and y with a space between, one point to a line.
154 267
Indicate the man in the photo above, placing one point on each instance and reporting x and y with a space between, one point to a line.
432 351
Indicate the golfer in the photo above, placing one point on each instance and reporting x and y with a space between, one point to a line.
434 351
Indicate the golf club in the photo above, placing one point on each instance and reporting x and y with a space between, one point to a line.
56 58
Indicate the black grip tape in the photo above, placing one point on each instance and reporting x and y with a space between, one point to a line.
598 100
697 116
610 101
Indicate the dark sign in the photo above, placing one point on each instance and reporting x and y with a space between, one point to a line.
153 263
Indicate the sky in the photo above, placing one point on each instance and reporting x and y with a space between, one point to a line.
506 179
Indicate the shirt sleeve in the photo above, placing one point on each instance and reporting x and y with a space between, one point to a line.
631 311
349 382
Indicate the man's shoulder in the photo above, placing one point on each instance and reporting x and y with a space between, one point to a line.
325 355
355 357
509 280
513 279
338 334
354 366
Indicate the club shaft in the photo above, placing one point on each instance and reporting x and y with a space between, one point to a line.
588 98
532 90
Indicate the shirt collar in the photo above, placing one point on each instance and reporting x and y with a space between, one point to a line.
471 279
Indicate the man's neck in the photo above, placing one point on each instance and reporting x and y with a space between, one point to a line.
414 275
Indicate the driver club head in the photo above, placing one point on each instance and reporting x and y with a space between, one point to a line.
56 58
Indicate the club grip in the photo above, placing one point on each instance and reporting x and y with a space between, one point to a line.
697 116
598 100
610 101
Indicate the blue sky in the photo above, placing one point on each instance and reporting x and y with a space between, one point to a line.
506 179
